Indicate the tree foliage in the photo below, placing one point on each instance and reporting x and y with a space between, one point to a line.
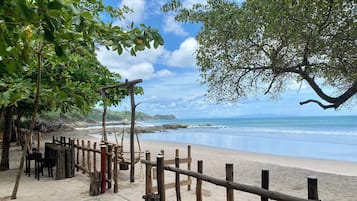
260 47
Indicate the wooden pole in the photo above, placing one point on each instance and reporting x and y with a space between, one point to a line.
312 190
148 178
265 183
103 157
189 166
53 139
78 155
110 165
72 160
177 178
88 157
199 181
38 140
116 155
160 177
132 127
83 158
229 178
95 157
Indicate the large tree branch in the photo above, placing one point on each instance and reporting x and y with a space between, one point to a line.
335 101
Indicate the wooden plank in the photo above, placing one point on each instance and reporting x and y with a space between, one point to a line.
182 160
148 178
237 186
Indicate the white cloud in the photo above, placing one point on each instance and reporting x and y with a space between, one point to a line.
138 8
130 67
185 55
171 26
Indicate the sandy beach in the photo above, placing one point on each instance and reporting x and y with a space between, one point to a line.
336 180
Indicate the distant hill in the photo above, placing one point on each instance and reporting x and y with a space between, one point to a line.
96 115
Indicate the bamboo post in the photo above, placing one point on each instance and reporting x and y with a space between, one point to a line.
88 157
160 177
83 158
148 179
78 155
103 157
229 178
189 166
265 183
312 190
116 155
95 157
177 178
110 165
199 181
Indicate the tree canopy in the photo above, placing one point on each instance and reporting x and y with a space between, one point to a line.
261 46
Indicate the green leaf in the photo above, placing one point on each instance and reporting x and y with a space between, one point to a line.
120 50
54 5
59 51
49 35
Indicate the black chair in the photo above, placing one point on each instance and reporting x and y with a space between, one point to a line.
40 163
29 158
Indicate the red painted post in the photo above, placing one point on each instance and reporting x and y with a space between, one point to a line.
103 161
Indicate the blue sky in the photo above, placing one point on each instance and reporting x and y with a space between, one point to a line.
171 79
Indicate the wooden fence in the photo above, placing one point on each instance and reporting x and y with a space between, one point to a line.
86 157
149 188
228 183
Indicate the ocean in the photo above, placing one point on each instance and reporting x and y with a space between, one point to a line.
332 138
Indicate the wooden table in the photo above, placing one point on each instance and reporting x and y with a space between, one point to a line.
62 157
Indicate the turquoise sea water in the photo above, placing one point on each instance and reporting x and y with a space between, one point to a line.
333 138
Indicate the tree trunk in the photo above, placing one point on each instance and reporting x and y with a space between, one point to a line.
4 165
32 125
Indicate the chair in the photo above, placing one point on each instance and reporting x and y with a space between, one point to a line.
29 158
40 163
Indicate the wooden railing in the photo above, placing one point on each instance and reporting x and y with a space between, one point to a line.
150 189
86 157
228 183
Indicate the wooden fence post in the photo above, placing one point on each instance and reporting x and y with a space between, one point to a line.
312 190
78 155
199 181
72 161
83 158
95 157
88 157
110 165
38 140
103 157
160 177
265 183
53 139
116 155
177 178
229 178
189 166
148 178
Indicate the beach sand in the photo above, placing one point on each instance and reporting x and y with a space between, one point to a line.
336 180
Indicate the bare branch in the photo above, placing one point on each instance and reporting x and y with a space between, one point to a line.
319 103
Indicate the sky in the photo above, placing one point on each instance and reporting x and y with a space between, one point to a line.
171 79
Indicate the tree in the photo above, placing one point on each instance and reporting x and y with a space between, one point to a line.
48 57
262 46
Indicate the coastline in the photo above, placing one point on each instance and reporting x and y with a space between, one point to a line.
337 180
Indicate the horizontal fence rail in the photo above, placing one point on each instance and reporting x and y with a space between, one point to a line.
263 192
